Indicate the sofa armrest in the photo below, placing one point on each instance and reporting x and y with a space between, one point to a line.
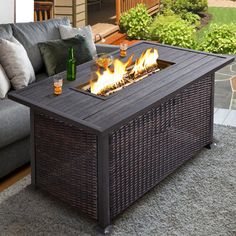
106 48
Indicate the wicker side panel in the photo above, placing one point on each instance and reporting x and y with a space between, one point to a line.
148 148
66 163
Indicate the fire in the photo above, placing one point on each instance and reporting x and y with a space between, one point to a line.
147 60
110 79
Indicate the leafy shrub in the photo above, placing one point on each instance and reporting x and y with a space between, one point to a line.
220 39
136 22
173 30
167 4
183 6
168 12
192 18
194 6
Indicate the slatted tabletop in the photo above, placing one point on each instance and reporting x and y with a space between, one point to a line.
100 115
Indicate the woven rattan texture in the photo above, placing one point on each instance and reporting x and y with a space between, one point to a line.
66 163
148 148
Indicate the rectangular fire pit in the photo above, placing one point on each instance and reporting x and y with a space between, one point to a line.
101 155
86 87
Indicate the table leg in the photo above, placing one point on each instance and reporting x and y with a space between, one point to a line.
104 220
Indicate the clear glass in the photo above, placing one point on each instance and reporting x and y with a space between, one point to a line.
103 60
57 83
123 49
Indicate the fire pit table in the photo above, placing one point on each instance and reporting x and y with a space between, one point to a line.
102 153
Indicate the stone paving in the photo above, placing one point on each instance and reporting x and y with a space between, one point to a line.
225 87
221 3
225 80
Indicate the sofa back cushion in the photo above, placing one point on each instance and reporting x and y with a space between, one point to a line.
30 34
5 31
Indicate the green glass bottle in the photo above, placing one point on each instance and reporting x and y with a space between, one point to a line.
71 65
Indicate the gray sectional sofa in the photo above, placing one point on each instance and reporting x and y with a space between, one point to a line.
15 118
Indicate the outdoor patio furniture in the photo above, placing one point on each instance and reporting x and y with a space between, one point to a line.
101 155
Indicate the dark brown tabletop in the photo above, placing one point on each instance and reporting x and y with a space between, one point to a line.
102 115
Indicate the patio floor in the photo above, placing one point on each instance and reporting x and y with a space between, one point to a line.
225 87
225 96
103 21
225 117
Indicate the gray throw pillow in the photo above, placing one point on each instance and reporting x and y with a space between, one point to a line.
4 83
30 34
70 32
55 53
16 63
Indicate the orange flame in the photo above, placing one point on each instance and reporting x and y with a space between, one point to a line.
147 59
109 79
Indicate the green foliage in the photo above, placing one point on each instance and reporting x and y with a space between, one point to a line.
220 16
192 18
176 25
136 22
173 30
183 6
167 12
220 39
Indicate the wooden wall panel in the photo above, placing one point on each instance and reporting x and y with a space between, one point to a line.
63 2
63 10
75 10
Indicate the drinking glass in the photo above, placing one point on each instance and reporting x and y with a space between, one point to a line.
123 49
57 82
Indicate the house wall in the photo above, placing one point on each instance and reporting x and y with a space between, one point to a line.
7 11
24 12
75 10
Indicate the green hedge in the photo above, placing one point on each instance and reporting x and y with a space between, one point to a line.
178 29
220 39
173 30
179 6
136 22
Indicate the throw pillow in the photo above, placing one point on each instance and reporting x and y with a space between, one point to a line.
55 53
70 32
16 63
4 83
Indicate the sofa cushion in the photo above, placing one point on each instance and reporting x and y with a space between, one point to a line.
14 122
16 63
30 34
5 31
55 53
70 32
14 156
